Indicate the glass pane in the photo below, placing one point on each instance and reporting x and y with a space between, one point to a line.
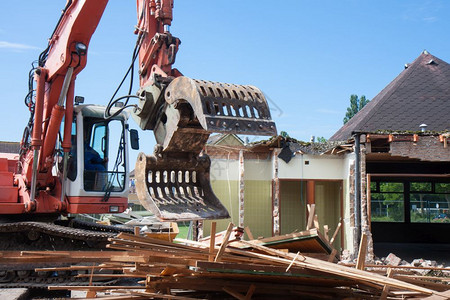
391 187
442 187
429 208
387 207
102 181
98 139
420 187
116 155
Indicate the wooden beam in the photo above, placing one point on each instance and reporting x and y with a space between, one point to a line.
212 241
325 232
385 292
249 233
444 296
336 232
91 294
150 295
316 222
329 268
292 262
224 242
250 292
95 287
311 213
362 252
235 294
332 256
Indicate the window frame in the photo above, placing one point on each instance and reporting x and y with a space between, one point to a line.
407 192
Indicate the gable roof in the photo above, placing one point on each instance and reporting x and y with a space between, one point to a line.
418 95
225 139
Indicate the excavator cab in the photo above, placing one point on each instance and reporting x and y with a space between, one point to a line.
98 164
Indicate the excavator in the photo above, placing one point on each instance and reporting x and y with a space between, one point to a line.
74 157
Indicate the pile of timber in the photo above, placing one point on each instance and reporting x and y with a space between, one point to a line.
239 269
235 269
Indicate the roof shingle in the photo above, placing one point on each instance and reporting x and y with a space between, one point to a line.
420 94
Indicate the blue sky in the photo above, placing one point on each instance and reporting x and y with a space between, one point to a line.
307 56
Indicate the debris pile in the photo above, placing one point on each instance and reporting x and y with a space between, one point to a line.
233 268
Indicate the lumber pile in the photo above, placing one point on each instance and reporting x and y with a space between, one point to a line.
187 269
232 269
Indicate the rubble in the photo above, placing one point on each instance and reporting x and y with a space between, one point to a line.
242 269
392 260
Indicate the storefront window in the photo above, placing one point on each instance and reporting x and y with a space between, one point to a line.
387 202
428 202
432 205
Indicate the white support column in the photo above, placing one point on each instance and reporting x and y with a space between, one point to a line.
241 188
275 194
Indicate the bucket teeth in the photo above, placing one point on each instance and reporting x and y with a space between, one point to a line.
177 189
223 107
175 184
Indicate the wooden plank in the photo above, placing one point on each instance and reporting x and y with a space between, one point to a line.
272 239
434 278
290 265
316 222
75 268
95 287
171 270
150 295
332 256
444 296
385 292
224 242
46 253
330 268
250 292
336 232
311 213
91 294
233 293
398 267
325 233
249 233
127 297
362 252
437 286
251 268
109 275
212 241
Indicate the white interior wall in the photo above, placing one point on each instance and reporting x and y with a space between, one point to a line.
320 167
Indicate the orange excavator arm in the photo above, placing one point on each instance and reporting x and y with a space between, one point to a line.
60 63
182 112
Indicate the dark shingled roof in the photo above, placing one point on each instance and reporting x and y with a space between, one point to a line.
420 94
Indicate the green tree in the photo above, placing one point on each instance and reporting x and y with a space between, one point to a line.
356 104
321 139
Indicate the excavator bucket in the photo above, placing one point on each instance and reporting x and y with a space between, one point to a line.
224 107
177 189
174 183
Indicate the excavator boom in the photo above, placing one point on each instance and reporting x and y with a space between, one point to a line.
173 182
